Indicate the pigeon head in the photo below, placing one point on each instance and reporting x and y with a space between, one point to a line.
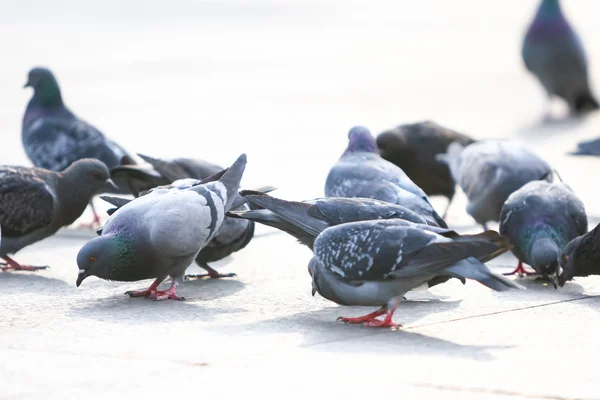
45 87
567 261
361 140
88 174
549 9
545 256
105 257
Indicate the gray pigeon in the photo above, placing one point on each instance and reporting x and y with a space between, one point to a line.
588 148
53 137
35 202
580 257
489 171
141 179
374 263
414 147
539 220
553 53
234 235
361 172
160 234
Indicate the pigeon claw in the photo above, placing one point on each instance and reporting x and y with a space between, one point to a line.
365 318
382 324
520 271
139 293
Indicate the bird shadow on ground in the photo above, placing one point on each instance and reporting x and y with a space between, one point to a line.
30 282
120 308
550 126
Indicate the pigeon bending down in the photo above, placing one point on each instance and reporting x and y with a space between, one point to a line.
581 257
361 172
414 147
35 203
539 220
553 53
163 172
233 235
160 234
489 171
54 138
374 263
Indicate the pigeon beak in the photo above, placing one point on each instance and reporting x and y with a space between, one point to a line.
314 290
27 84
82 275
112 184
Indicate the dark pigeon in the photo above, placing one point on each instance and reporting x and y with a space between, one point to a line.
233 236
54 138
539 220
160 234
35 203
361 172
414 147
581 257
374 263
490 171
553 53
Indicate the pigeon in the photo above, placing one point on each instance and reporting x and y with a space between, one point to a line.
160 234
54 138
588 148
580 257
163 172
306 220
539 220
489 171
234 234
361 172
414 147
35 203
553 52
374 263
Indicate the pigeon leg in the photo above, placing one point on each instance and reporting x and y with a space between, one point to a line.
95 221
153 289
364 318
15 266
167 294
520 271
211 273
447 207
387 321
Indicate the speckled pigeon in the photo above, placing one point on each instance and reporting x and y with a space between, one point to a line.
553 53
414 147
160 234
489 171
374 263
580 257
35 203
53 137
361 172
539 220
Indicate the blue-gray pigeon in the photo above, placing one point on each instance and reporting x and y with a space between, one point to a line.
553 53
374 263
161 233
539 220
580 257
489 171
35 202
414 147
361 172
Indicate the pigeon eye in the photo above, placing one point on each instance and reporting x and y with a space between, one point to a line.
565 258
92 258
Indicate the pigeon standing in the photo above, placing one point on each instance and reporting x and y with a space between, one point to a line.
539 220
490 171
35 203
160 234
233 235
361 172
414 147
553 53
581 257
374 263
54 138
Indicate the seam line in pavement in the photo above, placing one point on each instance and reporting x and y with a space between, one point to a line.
487 391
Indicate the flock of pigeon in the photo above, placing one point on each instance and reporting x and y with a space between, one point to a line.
374 236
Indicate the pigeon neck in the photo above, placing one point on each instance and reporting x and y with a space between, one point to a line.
47 96
74 193
361 145
549 9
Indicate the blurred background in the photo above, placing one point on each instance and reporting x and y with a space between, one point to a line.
283 81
